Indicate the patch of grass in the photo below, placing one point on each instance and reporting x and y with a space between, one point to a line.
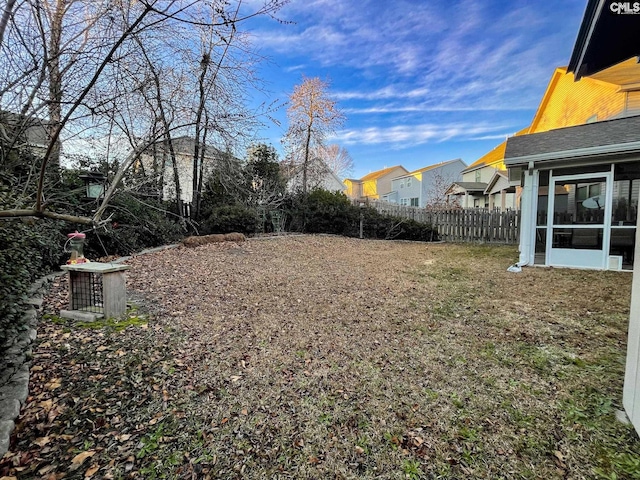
114 324
132 318
619 465
412 470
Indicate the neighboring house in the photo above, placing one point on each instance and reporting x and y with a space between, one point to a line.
610 94
374 185
485 183
28 132
158 159
425 186
319 175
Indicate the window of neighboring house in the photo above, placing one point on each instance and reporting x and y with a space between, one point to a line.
408 182
592 118
402 184
478 176
404 201
415 202
585 191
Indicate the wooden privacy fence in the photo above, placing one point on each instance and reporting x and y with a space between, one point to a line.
462 225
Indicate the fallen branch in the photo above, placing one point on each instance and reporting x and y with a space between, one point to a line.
18 213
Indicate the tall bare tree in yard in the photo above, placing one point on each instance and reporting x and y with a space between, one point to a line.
312 116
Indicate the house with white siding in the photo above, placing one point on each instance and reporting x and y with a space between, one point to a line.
425 186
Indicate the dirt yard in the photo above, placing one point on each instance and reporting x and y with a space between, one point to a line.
317 357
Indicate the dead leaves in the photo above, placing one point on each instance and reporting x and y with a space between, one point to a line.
89 393
53 384
91 471
42 441
80 458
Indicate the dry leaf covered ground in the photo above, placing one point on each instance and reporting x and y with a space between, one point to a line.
314 357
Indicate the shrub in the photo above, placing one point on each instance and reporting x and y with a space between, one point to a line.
230 218
326 212
135 224
28 249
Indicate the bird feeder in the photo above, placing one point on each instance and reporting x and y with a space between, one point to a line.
76 248
96 290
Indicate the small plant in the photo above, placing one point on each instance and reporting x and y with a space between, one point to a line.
457 401
412 470
151 442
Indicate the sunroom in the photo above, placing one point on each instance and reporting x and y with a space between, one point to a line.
580 188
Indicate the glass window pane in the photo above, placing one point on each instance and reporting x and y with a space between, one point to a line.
541 246
543 203
625 202
623 243
580 202
578 238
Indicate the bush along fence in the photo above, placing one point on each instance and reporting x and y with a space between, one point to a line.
461 225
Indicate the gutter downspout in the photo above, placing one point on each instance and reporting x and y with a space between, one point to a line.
528 216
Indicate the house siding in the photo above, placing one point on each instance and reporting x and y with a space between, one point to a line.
402 191
435 182
486 173
572 103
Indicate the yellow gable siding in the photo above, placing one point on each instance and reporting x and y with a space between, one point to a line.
369 189
573 103
349 184
486 173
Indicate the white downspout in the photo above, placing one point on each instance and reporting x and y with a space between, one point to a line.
528 210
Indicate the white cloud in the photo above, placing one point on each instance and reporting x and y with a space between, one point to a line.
402 136
389 91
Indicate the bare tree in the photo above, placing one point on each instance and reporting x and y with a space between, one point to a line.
337 158
312 115
72 63
437 198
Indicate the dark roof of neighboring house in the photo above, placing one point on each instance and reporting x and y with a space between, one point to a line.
580 137
472 186
186 144
606 37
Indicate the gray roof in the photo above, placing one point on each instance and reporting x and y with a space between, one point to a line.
185 145
472 186
559 143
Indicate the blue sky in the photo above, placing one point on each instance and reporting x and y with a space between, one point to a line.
419 81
